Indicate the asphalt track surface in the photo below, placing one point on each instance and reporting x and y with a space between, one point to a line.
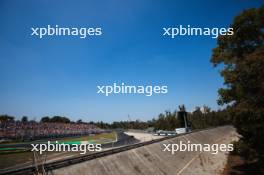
122 140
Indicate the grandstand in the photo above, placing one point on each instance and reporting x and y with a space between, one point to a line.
18 130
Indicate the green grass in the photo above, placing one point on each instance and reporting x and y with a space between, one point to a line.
110 136
11 157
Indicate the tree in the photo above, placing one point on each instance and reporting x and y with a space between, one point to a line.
79 121
206 109
45 119
242 55
59 119
6 118
24 119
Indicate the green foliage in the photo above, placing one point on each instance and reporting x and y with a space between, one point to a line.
124 125
167 121
55 119
243 57
24 119
199 119
45 119
79 121
206 118
5 118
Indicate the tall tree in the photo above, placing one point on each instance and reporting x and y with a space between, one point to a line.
24 119
242 55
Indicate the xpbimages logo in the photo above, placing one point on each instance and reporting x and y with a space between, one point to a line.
131 89
188 30
213 148
83 32
57 147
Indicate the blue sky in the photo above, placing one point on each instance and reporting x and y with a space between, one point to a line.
59 75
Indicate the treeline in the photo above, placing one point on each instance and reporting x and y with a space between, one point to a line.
55 119
125 125
205 117
46 119
201 117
